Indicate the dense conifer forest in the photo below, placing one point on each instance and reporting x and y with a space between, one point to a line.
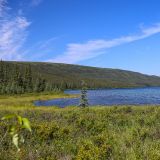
15 80
27 77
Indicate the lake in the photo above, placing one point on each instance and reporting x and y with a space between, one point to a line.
136 96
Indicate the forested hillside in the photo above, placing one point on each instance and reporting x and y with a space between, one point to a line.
65 76
15 79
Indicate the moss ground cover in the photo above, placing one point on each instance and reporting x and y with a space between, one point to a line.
96 133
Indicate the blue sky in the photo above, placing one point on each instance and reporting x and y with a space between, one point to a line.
122 34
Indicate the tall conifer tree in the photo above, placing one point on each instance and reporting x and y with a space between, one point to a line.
83 99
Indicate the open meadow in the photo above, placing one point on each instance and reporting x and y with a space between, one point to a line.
93 133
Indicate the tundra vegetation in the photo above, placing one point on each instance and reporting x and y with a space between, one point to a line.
92 133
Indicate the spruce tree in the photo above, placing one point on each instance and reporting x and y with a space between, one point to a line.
28 85
42 85
8 88
17 83
1 72
37 85
15 76
48 87
83 99
6 74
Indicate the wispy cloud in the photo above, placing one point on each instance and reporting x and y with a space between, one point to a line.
76 52
35 2
41 49
2 7
13 33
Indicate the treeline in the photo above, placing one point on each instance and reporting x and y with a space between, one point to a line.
16 80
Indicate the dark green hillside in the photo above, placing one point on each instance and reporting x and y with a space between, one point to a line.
69 76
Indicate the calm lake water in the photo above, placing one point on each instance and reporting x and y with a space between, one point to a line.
138 96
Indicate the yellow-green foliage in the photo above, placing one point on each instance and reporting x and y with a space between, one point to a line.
28 99
95 133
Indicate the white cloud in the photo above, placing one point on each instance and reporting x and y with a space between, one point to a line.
81 51
35 2
40 49
2 7
13 33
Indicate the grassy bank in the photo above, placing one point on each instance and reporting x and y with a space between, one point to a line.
97 133
28 99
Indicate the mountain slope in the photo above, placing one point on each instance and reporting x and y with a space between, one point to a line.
70 76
